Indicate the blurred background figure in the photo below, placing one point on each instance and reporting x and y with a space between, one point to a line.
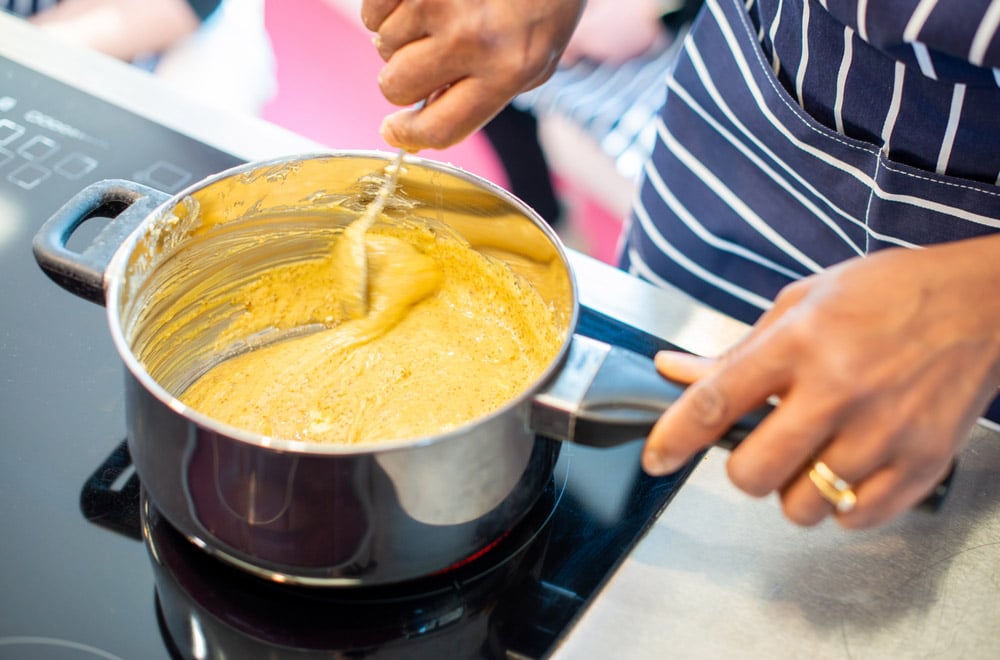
216 51
603 98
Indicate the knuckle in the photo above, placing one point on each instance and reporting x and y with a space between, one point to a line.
751 481
927 462
804 516
792 293
523 68
388 84
707 404
856 520
865 516
373 12
437 137
923 451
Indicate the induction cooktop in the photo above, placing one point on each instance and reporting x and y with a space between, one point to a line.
79 580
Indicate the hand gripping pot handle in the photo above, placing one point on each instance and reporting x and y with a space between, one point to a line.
606 395
124 203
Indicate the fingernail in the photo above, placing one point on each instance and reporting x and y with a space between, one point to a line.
676 359
387 132
656 464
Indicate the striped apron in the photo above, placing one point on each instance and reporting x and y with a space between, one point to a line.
746 191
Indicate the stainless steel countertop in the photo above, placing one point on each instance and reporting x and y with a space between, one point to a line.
719 574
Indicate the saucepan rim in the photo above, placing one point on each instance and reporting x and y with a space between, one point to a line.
115 277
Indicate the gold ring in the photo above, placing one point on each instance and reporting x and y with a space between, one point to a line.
834 489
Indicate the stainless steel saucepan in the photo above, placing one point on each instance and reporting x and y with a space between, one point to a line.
166 267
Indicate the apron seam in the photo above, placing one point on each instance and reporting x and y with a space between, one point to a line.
901 209
868 210
886 164
783 96
881 161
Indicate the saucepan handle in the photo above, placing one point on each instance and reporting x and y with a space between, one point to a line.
606 395
124 203
628 395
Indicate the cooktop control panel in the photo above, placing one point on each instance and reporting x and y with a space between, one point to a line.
54 140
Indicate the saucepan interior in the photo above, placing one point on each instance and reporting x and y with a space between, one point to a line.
177 296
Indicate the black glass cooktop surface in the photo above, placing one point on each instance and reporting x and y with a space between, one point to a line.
76 579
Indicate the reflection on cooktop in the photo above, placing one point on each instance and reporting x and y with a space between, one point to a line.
473 611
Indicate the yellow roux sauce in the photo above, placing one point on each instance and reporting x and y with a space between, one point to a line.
451 335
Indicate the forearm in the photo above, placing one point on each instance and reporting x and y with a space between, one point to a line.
121 28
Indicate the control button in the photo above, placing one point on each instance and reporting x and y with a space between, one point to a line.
9 131
52 124
164 176
5 156
28 175
75 165
38 148
7 103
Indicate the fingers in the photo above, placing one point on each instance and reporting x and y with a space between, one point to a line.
881 494
682 367
454 113
882 389
887 464
462 101
779 448
724 391
419 69
701 404
889 492
887 457
850 461
476 56
457 104
396 31
374 12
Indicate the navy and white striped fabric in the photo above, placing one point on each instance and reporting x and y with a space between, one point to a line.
616 104
788 142
798 133
914 76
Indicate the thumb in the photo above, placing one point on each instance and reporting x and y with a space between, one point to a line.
682 367
396 130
